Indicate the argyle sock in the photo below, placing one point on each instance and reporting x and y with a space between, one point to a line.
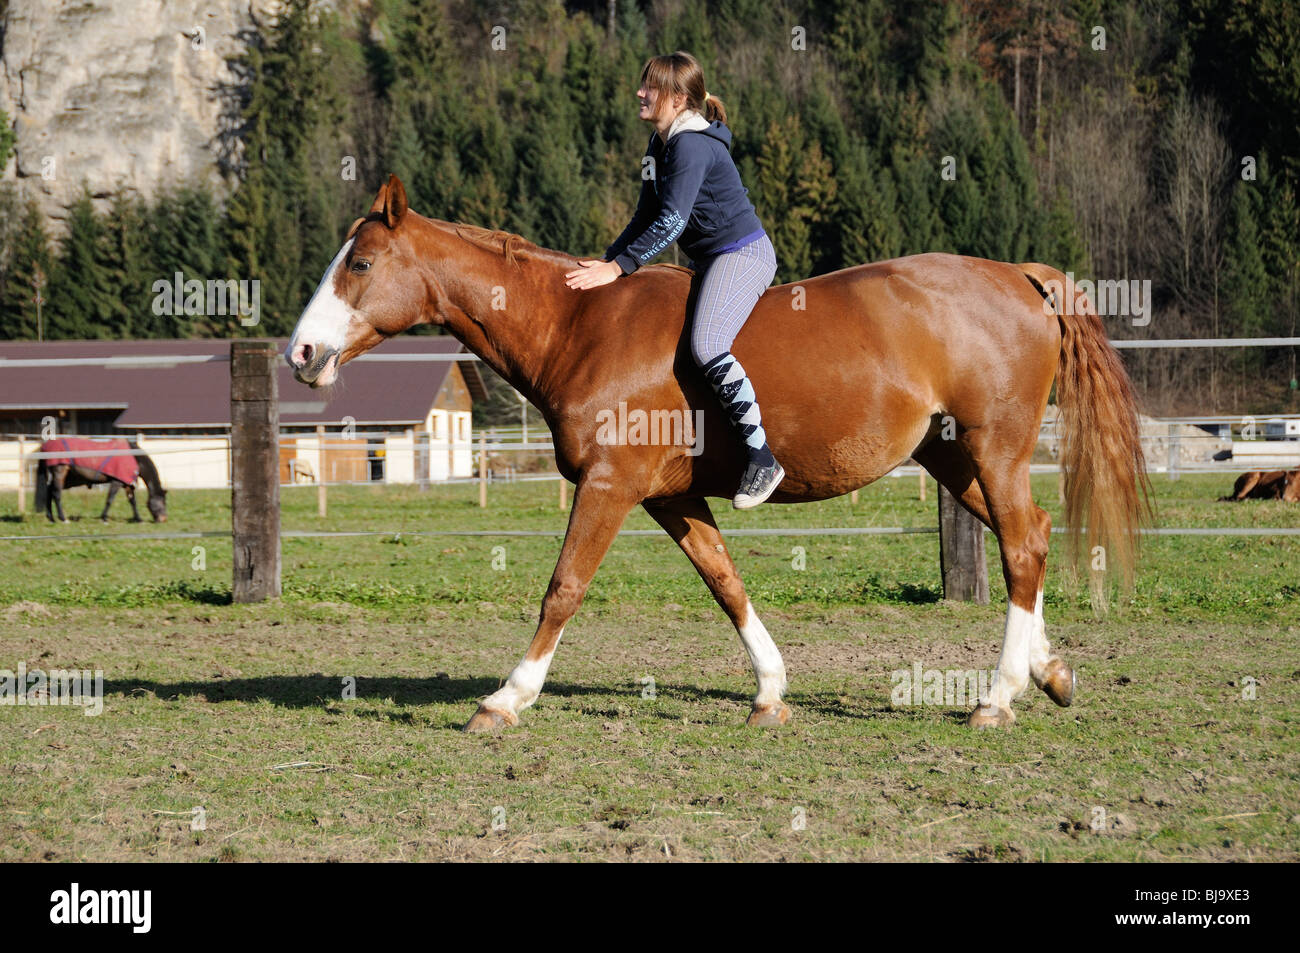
732 386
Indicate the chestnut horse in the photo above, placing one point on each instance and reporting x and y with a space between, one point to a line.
945 359
1274 485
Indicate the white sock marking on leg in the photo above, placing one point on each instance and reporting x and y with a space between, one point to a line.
769 668
524 684
1012 674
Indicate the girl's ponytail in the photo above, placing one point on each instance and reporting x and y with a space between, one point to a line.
714 109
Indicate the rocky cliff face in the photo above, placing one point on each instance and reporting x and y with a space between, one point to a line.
135 94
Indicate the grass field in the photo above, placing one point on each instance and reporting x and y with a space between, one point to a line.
241 710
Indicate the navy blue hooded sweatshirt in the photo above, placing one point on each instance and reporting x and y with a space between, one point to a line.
694 198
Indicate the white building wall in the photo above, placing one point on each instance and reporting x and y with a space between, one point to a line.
399 456
189 463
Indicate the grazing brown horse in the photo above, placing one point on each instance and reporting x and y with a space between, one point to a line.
1274 485
938 357
76 461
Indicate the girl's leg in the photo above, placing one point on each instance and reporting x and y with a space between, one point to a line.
731 286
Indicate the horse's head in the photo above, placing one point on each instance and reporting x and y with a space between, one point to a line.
158 505
371 291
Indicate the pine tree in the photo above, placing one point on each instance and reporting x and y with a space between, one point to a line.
79 292
6 139
867 212
31 263
1247 288
794 191
124 261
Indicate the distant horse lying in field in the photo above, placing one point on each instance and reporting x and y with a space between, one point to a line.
83 462
942 358
1272 485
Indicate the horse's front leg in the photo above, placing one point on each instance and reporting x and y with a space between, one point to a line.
108 503
135 510
598 513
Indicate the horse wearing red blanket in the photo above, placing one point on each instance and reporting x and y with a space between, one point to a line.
76 461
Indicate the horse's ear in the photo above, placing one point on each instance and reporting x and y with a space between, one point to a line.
395 207
381 200
353 230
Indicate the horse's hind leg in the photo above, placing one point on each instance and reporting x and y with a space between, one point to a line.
1048 671
594 522
56 493
1023 530
108 503
1019 525
690 523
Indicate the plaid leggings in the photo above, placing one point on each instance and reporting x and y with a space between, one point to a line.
732 284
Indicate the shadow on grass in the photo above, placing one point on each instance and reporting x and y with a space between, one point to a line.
901 592
316 690
322 691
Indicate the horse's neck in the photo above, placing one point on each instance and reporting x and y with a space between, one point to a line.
507 313
148 472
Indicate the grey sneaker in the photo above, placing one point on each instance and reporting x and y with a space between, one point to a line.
757 485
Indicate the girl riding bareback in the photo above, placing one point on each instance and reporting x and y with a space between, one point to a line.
692 194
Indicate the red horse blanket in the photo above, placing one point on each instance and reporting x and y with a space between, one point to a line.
90 454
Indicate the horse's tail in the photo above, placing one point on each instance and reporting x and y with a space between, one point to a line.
42 487
1106 485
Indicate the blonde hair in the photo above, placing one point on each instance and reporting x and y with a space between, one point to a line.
680 73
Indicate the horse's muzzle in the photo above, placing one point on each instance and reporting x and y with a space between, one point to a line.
309 362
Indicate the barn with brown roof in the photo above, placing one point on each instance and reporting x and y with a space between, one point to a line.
386 421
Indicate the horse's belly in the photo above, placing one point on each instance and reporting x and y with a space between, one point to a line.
819 467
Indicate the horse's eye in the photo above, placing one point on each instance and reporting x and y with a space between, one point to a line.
360 265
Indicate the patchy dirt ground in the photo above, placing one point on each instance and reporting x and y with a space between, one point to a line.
244 713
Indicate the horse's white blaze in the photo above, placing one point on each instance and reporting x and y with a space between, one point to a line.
524 684
769 669
1012 674
324 322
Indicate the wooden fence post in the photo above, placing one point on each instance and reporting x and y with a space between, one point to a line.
422 453
961 552
255 465
22 478
320 477
482 470
564 493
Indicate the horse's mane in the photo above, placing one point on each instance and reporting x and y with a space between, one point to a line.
503 243
510 245
147 468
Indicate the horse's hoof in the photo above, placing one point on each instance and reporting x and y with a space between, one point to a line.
490 719
768 716
1059 682
991 718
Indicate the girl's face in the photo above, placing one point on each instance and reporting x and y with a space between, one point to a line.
649 99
